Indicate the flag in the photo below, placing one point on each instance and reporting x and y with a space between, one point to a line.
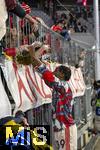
26 8
84 2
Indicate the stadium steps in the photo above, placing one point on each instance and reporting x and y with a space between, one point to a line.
44 16
85 40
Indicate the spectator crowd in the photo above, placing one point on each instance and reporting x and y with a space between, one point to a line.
74 19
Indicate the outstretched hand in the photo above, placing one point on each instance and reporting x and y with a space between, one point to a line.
34 24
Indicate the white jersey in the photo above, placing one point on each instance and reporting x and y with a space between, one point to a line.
3 18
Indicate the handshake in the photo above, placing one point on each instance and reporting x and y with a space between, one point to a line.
27 53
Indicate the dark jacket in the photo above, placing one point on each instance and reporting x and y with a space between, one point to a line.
15 8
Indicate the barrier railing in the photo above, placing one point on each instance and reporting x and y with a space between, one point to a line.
63 51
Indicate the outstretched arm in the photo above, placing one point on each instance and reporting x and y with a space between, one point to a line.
15 8
48 76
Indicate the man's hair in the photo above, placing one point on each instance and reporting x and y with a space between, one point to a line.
66 71
20 114
19 117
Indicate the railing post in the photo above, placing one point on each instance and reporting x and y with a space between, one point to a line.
97 32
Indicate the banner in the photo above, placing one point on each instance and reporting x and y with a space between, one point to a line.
29 90
26 86
76 82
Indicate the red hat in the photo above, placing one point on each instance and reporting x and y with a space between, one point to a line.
57 28
48 75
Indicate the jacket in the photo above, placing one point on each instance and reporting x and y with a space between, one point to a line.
61 97
15 8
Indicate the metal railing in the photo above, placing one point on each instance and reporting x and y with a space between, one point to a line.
63 51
